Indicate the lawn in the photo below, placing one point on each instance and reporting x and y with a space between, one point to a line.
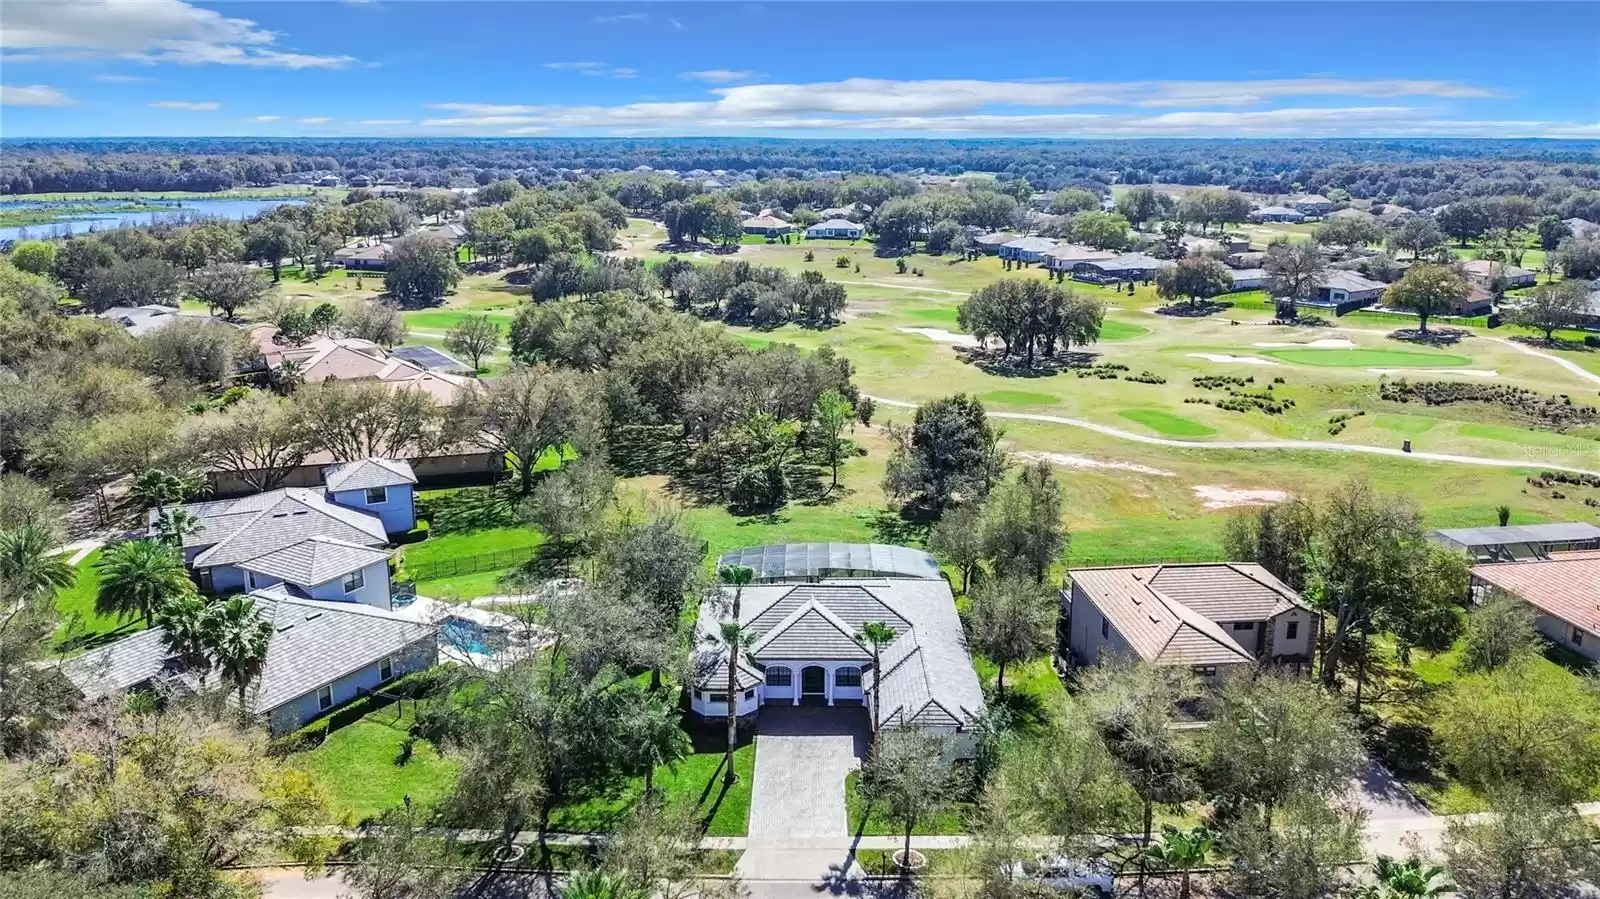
1166 423
363 767
1111 329
81 627
1357 358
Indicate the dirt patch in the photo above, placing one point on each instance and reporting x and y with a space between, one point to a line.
1230 359
1217 496
864 308
1069 461
940 335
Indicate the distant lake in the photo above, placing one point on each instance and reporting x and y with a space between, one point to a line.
177 210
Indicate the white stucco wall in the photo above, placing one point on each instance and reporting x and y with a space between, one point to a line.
301 709
374 590
1085 639
1560 633
1305 632
398 512
749 703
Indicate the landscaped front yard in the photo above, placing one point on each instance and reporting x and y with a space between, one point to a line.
81 626
365 769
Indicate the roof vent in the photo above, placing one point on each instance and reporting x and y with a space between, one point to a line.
284 627
310 616
280 515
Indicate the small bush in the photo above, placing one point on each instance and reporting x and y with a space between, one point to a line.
843 262
810 256
900 266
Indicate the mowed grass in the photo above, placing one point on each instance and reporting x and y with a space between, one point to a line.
365 770
1111 329
81 626
1018 398
1357 358
1166 423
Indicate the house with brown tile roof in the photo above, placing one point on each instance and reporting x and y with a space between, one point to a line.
1212 618
1564 591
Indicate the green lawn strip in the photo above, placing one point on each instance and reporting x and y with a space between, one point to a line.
442 320
363 767
81 627
1404 424
1354 358
1112 330
1167 424
871 820
1019 398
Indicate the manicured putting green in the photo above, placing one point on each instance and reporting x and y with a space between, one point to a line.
1403 424
1166 423
945 315
1364 358
1115 330
1018 397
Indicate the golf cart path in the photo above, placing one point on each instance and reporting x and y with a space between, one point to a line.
1319 445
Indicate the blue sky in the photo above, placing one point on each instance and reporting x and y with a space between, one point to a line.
1132 69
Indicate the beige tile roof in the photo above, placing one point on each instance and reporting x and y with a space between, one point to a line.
1157 626
1234 591
1565 586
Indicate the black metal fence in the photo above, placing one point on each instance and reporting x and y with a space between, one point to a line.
499 560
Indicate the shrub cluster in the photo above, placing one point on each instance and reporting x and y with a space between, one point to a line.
1337 422
1558 411
1147 377
1105 371
1240 399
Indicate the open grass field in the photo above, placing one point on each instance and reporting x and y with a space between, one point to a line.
81 627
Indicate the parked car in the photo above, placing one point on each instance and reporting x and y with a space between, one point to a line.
1089 877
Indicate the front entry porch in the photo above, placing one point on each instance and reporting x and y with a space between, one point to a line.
812 684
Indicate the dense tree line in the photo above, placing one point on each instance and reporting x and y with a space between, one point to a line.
1394 169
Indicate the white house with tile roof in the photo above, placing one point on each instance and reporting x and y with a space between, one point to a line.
1212 618
321 655
806 652
293 536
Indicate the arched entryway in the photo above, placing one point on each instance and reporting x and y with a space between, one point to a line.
813 681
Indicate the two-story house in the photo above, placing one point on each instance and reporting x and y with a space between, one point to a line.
1212 618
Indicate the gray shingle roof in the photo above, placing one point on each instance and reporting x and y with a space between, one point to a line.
364 473
927 671
836 225
317 560
1348 281
313 643
248 528
1031 244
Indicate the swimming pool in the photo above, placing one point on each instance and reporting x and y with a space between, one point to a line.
466 636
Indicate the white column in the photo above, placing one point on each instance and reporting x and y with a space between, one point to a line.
828 684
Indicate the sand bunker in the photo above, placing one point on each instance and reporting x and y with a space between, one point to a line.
1068 461
943 336
1215 496
1241 360
1324 343
1469 372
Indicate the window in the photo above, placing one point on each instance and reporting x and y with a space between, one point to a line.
1577 637
847 677
700 694
779 676
1244 625
386 669
1105 628
1205 670
719 697
354 581
1291 631
749 694
377 496
325 698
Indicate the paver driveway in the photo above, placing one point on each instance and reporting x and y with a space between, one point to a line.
803 756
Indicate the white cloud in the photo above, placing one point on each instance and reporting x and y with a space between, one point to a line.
152 31
314 120
720 76
32 95
625 17
268 118
583 65
190 105
384 122
624 73
592 68
121 79
972 107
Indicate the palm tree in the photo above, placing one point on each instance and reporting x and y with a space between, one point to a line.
1410 879
139 578
30 567
601 885
1181 851
874 636
737 640
155 488
238 639
186 631
737 577
653 731
173 525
